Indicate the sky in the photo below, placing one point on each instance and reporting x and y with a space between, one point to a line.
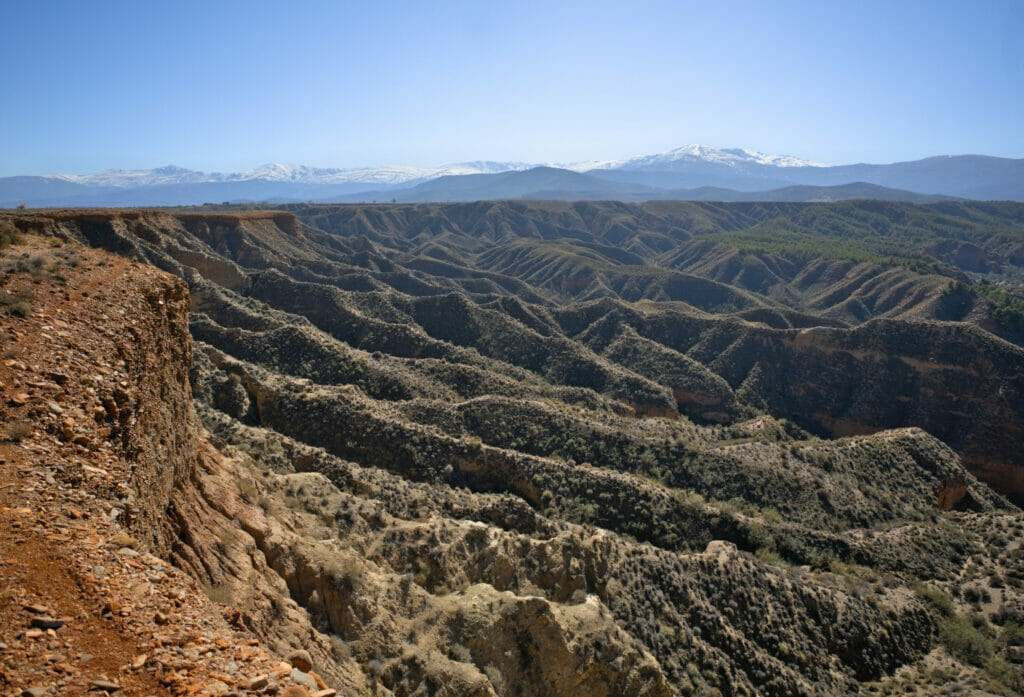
227 86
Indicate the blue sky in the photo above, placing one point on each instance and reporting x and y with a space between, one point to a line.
226 86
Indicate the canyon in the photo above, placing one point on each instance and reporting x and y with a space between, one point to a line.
512 448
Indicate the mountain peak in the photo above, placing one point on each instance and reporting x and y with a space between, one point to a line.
732 157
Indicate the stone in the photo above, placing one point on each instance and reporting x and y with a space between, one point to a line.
161 618
45 622
257 683
303 678
301 659
223 677
106 685
33 692
319 681
296 691
216 687
123 540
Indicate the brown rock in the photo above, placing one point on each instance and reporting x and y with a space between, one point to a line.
949 492
319 681
216 687
257 683
123 540
301 659
104 685
45 622
296 691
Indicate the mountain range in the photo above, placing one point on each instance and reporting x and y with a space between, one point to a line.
692 172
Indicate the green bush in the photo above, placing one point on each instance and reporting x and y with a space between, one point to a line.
964 640
942 601
9 234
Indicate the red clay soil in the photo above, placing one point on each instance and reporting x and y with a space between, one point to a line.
84 608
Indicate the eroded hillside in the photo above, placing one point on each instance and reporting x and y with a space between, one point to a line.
501 449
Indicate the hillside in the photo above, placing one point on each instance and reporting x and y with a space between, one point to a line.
543 448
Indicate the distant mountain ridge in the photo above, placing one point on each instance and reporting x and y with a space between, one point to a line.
687 154
550 183
276 172
692 172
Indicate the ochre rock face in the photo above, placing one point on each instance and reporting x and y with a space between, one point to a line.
950 493
1005 475
958 383
651 410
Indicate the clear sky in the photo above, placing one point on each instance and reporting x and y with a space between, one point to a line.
226 86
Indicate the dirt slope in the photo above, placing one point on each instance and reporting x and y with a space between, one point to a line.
98 431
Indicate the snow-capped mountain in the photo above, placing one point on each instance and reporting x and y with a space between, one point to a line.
401 174
295 174
130 178
680 173
689 154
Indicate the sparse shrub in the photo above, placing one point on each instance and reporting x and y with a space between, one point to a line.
18 430
495 677
1013 633
17 304
339 648
460 653
9 234
350 572
22 308
218 593
942 602
964 640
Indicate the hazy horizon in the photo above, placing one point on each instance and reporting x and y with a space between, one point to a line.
430 165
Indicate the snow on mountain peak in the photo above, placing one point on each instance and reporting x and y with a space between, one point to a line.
390 175
695 153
